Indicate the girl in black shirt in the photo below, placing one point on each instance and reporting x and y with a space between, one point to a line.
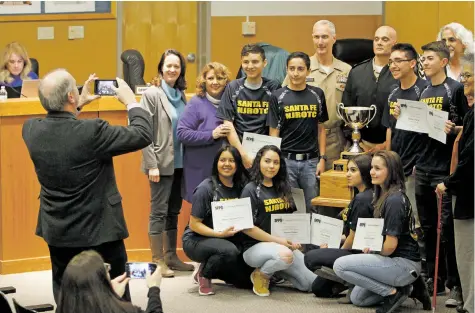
361 206
218 252
270 192
387 275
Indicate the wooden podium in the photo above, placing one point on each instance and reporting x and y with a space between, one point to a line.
334 189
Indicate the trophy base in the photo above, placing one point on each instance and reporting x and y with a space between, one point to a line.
334 189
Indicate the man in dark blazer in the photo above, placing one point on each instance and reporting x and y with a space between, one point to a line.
80 205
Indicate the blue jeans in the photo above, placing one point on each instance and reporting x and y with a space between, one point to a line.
265 256
302 174
375 276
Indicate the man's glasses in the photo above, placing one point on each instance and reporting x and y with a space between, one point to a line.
466 75
398 61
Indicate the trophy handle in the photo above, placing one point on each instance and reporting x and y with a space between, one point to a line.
372 107
340 105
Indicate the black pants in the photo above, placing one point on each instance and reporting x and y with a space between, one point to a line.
315 259
221 259
112 252
426 200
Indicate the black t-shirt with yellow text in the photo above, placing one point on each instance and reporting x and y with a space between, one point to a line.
448 97
297 115
409 145
245 107
360 206
264 201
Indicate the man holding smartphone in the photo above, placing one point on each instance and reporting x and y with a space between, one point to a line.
80 205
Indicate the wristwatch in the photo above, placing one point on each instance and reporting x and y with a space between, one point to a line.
323 157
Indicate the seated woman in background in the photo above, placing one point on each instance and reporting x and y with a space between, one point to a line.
87 287
361 206
270 192
199 130
15 67
218 252
385 276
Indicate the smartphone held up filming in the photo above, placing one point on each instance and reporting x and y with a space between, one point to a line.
138 270
103 87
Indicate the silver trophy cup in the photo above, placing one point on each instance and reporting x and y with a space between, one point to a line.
356 118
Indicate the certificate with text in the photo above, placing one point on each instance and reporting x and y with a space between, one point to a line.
327 230
294 227
413 116
236 212
437 121
368 234
252 143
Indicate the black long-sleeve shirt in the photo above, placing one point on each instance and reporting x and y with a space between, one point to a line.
154 302
461 181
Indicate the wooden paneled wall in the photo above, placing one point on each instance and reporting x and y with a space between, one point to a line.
81 57
152 27
292 33
418 22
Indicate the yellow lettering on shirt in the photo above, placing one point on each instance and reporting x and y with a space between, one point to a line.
275 204
300 111
392 105
434 102
252 107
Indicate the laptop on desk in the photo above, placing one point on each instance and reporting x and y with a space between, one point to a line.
29 88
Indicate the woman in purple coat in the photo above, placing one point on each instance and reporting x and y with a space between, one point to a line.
200 132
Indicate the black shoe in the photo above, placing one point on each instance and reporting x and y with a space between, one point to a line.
440 287
328 273
420 293
460 309
392 302
455 297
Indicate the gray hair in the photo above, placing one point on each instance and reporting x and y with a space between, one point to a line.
53 91
329 24
461 33
467 58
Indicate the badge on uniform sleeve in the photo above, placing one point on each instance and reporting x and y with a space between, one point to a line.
341 79
309 79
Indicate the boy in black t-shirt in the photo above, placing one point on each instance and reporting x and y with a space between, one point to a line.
245 101
297 113
447 95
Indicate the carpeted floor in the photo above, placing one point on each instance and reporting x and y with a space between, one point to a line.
180 295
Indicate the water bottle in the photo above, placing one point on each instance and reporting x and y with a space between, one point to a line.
3 94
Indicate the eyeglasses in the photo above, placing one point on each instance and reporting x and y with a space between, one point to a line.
466 75
398 61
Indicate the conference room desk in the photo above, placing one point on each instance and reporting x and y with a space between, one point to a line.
20 249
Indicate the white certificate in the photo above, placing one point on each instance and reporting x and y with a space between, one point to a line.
327 230
368 234
69 6
299 200
294 227
413 116
437 121
252 143
236 212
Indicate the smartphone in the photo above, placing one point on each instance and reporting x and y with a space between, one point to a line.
103 87
139 269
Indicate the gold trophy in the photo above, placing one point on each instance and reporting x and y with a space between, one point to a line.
334 190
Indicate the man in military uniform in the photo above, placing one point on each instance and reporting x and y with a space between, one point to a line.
370 82
329 74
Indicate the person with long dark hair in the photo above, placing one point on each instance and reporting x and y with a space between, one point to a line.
87 287
218 252
359 178
270 192
162 161
385 276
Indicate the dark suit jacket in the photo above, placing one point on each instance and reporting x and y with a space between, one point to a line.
80 205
